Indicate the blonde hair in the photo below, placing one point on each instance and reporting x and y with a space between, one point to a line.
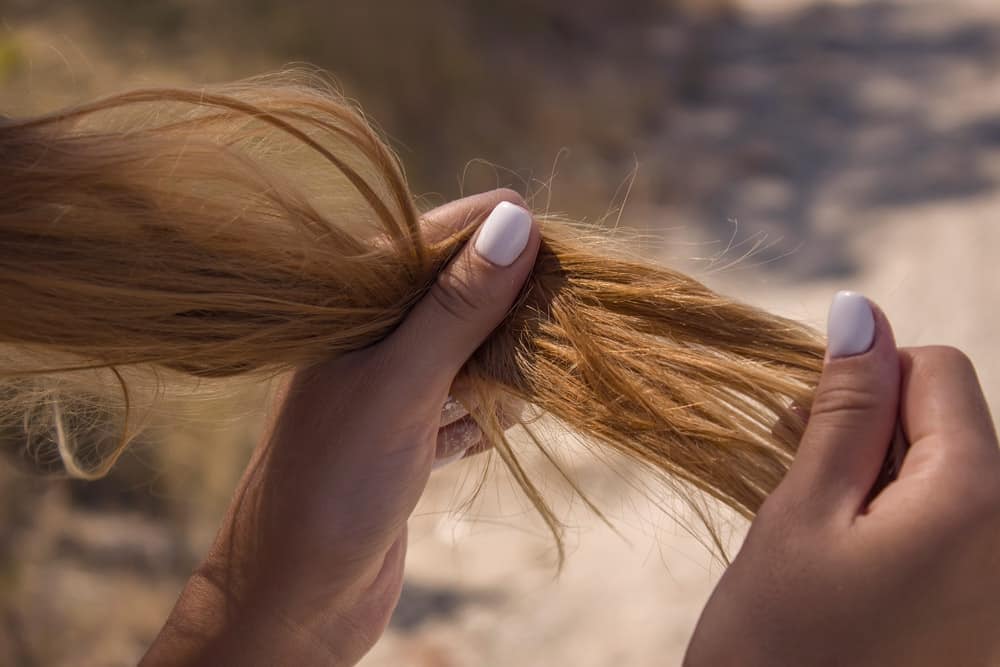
254 228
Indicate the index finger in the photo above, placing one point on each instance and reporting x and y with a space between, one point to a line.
942 400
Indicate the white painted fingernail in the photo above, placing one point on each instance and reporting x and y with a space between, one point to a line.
451 411
457 437
445 460
504 235
850 327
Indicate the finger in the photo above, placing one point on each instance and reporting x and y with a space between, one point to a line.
462 400
942 401
441 222
471 296
454 440
464 437
853 415
452 410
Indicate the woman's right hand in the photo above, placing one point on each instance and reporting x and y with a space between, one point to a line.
911 578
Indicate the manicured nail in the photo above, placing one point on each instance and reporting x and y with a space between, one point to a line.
451 411
457 437
850 327
504 235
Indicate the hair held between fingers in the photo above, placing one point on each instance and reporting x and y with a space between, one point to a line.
166 237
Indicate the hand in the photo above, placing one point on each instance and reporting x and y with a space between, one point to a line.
308 566
911 578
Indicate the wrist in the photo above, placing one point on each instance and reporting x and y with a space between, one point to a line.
210 626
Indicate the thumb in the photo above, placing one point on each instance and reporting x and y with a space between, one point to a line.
854 412
470 298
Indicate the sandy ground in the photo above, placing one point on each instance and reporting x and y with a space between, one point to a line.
862 138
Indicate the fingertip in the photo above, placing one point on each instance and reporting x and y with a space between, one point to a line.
454 216
504 235
850 325
856 327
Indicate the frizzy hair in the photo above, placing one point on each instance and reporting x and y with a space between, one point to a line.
258 227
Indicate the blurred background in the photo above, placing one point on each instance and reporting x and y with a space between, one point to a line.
778 150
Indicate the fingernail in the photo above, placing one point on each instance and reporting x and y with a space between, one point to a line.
850 327
457 437
451 411
445 460
504 235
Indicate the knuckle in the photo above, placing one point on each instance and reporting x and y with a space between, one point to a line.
455 295
843 399
944 356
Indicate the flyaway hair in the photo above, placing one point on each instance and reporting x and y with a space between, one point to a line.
176 235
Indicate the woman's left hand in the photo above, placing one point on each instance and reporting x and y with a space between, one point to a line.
309 563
